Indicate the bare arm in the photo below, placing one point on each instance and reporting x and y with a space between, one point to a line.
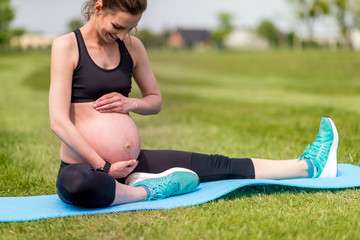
151 100
145 79
62 66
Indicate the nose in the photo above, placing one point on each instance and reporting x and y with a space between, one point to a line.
121 35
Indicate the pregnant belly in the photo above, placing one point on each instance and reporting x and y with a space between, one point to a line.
113 136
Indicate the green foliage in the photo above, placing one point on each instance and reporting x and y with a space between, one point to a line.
355 12
342 10
345 12
268 30
241 104
224 28
150 39
75 24
7 14
310 10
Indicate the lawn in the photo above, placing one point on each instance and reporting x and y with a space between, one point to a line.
240 104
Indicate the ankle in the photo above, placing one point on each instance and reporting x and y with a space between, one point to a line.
144 191
311 168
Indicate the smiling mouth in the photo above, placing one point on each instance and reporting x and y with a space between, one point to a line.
112 36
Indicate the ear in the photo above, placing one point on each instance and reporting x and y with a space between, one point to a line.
98 6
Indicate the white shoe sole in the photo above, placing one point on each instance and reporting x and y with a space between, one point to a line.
139 176
330 169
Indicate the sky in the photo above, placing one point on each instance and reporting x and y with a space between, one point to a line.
52 16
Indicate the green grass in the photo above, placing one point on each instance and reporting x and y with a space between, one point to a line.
241 104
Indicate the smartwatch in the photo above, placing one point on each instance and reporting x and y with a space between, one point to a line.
104 169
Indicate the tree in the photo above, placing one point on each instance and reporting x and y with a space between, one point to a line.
341 12
224 28
268 30
309 11
75 24
344 10
355 12
7 14
147 38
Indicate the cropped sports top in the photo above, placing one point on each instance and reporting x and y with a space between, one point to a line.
90 81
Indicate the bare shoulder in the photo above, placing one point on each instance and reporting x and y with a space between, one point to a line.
65 42
65 46
136 49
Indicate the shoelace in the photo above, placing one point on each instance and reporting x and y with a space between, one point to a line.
163 188
316 151
312 150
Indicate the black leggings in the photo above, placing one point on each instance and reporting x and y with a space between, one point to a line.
81 185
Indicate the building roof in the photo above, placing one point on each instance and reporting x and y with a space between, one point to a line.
192 36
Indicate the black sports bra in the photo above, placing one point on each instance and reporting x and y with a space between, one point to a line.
90 81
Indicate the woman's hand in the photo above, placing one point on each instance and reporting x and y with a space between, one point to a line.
114 103
122 169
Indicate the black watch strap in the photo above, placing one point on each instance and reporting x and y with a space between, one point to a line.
106 167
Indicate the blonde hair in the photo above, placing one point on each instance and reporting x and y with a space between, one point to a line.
133 7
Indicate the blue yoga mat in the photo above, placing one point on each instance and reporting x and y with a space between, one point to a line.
18 209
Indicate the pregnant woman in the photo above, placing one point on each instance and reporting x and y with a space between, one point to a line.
89 105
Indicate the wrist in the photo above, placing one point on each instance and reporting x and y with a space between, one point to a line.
133 104
105 168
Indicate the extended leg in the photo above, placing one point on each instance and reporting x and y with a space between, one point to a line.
318 160
207 167
280 169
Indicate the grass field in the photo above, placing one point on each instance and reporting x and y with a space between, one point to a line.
240 104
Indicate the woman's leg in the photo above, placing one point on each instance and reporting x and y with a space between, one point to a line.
207 167
218 167
318 160
126 194
280 169
81 185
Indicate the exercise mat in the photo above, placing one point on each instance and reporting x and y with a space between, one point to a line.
19 209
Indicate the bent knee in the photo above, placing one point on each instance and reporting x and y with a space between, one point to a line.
81 185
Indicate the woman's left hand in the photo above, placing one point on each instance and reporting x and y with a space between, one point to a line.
114 103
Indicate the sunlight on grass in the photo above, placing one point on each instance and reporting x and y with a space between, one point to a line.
240 104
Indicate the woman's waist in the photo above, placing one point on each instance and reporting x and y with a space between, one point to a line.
85 117
87 112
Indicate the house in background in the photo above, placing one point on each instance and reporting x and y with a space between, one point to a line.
244 39
32 41
189 38
355 39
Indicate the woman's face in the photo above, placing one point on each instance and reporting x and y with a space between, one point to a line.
113 25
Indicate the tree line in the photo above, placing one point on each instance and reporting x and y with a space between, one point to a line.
345 12
7 14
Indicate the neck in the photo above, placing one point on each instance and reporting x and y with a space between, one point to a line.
91 34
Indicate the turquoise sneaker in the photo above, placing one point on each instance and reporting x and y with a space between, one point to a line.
323 152
174 181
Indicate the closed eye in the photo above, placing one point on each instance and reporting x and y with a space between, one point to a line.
118 27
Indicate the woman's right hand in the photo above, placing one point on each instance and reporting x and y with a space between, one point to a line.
123 168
